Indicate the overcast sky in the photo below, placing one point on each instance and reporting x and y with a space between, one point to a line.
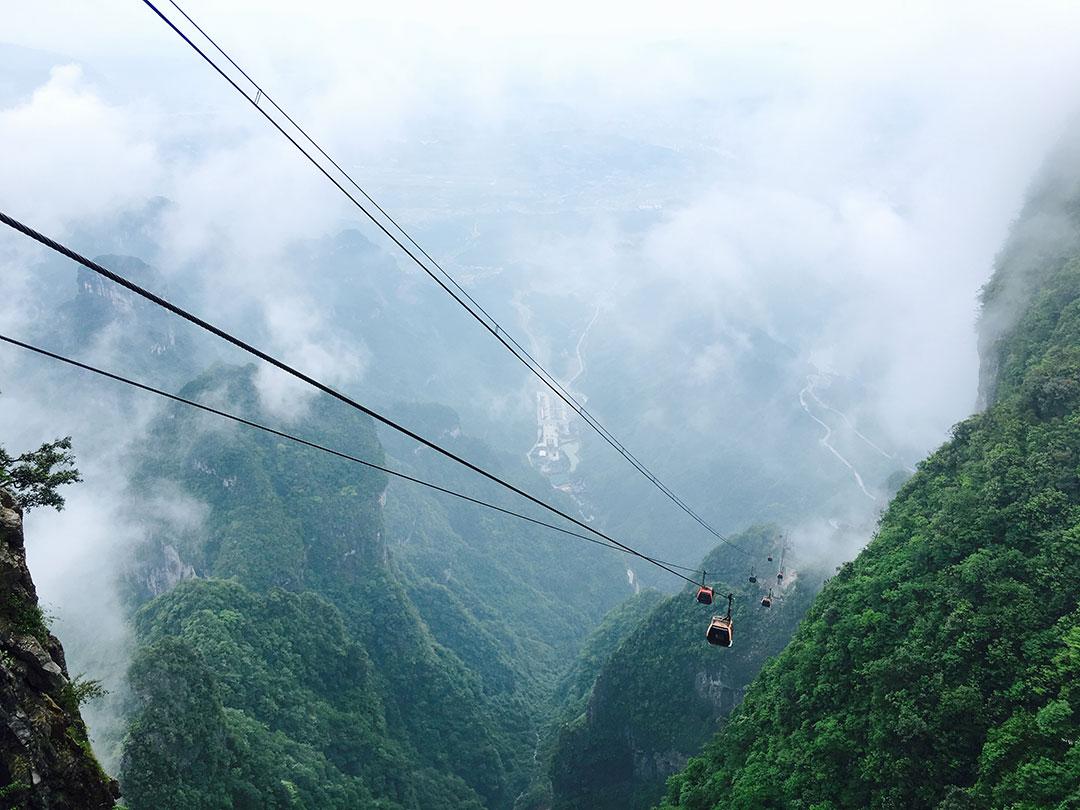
866 157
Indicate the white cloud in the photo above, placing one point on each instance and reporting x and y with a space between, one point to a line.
298 328
851 168
69 154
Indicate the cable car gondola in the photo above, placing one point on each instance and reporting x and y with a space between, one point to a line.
719 632
704 593
766 601
753 577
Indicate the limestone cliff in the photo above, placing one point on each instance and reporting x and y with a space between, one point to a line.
45 756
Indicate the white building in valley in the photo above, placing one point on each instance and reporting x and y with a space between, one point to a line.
552 432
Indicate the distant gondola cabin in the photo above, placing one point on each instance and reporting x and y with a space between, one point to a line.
705 595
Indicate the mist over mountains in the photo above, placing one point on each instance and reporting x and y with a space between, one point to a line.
754 252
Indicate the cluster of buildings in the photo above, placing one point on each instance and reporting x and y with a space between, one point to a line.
555 448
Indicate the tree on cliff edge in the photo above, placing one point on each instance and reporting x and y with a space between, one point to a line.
33 477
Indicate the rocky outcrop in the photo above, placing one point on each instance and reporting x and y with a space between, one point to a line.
101 310
45 756
169 571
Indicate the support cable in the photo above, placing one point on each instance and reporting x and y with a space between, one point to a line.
313 445
461 296
326 389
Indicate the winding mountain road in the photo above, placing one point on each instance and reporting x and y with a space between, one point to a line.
580 343
808 391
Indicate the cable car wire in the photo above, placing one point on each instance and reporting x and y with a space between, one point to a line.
494 327
326 389
461 296
314 445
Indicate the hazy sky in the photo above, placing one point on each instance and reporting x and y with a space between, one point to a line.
842 174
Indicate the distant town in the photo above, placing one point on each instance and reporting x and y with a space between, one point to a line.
557 445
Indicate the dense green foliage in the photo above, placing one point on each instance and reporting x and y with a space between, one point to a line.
261 701
942 667
617 626
513 601
380 643
301 537
661 693
574 687
33 477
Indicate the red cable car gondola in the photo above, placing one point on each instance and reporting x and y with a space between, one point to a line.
704 593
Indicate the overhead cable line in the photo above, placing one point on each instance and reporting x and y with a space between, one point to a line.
315 445
326 389
458 293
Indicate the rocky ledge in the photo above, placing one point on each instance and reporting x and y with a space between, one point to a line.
45 758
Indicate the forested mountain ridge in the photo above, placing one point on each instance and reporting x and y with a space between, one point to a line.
660 694
308 634
941 667
309 675
309 630
486 586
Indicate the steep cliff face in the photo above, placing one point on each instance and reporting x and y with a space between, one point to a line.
45 756
101 311
1045 238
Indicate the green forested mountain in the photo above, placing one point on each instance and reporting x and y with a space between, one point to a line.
575 685
941 668
617 626
660 693
512 600
310 654
312 635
